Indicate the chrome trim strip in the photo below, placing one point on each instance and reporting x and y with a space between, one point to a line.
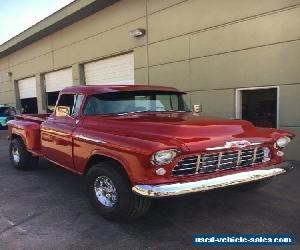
228 147
198 164
188 164
239 157
55 132
254 155
174 189
182 169
219 160
88 139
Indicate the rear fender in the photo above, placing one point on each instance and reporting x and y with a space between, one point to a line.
28 131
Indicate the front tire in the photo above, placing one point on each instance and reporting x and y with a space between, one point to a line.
20 158
110 193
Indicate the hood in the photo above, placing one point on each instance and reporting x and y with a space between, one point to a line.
195 131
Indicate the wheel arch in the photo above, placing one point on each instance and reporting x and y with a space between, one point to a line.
18 136
100 158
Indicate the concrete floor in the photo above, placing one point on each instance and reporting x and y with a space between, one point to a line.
47 209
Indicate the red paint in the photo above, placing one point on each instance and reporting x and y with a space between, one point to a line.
132 139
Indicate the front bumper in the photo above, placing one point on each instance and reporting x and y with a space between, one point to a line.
165 190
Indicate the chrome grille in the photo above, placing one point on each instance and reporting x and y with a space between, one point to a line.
207 163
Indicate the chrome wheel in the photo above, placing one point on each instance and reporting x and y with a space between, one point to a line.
15 155
105 191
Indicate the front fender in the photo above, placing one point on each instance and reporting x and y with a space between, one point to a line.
134 163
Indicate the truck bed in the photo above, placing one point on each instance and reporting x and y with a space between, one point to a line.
33 117
28 127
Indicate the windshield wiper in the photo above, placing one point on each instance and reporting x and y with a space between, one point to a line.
153 111
180 111
132 112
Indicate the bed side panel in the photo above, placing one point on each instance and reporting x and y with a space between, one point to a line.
29 131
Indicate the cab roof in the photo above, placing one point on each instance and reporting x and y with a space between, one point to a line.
100 89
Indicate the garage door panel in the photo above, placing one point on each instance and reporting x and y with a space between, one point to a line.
27 88
115 70
56 81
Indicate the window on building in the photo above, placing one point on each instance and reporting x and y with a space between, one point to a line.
259 106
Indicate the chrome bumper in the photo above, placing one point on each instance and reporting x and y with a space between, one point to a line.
173 189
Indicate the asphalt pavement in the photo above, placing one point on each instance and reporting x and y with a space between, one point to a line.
48 209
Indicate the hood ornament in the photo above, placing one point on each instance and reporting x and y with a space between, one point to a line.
235 145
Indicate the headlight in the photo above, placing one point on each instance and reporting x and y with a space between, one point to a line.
164 157
283 141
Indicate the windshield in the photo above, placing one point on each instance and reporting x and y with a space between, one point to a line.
135 101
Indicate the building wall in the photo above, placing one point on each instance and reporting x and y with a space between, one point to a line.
208 48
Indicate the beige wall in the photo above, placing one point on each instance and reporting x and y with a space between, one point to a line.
211 48
207 48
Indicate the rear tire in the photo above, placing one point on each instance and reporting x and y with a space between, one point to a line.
253 185
111 195
20 158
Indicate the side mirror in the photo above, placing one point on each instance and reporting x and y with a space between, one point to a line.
197 108
62 111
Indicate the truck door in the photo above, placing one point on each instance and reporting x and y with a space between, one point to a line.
57 130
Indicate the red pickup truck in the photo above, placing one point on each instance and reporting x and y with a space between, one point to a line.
134 143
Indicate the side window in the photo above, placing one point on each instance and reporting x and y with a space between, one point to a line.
73 102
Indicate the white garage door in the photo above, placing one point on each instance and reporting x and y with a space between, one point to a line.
27 88
57 80
115 70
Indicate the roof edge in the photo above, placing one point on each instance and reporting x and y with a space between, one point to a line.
108 88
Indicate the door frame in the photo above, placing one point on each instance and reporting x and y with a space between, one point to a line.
238 100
